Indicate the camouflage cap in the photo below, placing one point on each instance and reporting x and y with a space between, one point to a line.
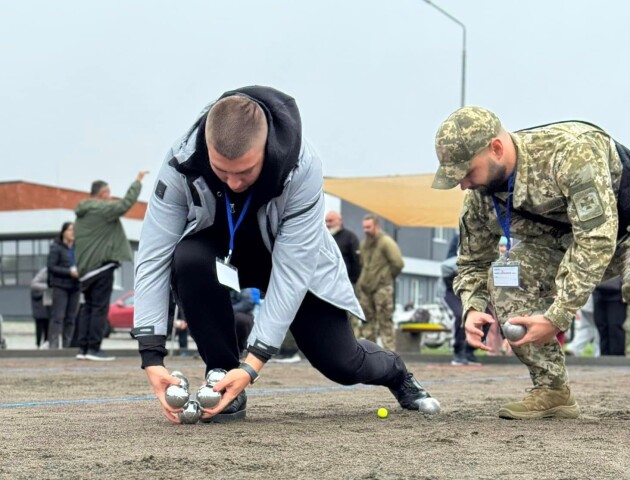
461 136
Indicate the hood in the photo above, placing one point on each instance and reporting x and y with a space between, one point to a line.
284 140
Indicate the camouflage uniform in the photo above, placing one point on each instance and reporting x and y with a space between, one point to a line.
567 172
381 262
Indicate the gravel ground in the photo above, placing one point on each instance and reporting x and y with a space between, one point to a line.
61 418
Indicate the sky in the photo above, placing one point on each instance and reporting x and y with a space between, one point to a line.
101 90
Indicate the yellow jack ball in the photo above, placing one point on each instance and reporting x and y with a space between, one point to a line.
382 413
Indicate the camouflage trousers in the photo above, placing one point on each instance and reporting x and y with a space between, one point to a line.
538 267
378 309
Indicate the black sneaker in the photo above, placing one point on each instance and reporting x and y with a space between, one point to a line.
234 411
98 356
409 393
459 360
472 360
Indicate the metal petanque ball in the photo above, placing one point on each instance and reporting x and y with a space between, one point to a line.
513 332
207 397
215 376
176 396
429 406
192 412
184 381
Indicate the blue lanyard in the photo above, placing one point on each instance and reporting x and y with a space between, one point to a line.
504 221
72 260
233 227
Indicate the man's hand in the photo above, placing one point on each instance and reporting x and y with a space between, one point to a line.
160 379
539 330
234 382
141 175
474 333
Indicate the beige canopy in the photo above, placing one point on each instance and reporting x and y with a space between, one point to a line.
405 200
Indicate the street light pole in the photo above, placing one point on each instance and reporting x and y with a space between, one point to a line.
444 12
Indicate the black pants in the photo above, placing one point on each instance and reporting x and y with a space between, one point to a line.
97 292
322 331
244 323
63 317
460 345
609 313
41 330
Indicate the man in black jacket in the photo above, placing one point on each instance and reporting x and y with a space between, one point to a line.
347 242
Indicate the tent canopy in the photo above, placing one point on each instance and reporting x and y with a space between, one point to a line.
405 200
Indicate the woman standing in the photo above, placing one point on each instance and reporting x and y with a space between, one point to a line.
63 277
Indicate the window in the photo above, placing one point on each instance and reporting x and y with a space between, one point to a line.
440 235
20 260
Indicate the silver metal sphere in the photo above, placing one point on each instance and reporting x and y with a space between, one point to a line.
176 396
429 406
513 332
192 412
215 376
184 381
207 397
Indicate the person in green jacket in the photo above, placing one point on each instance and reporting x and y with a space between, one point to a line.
381 263
100 246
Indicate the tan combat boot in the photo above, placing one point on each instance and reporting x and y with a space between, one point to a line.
543 402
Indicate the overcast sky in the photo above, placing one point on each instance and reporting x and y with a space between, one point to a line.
101 89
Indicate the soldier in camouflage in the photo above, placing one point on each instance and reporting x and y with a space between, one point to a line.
381 263
555 189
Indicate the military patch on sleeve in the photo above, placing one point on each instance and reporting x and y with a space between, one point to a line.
587 204
160 189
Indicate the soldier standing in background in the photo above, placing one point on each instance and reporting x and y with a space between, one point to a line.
555 188
381 263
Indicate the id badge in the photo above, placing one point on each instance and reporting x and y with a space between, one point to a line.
227 275
506 274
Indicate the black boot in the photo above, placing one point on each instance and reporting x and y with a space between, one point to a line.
410 393
234 411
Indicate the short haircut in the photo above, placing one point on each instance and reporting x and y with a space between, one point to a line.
97 186
374 218
234 125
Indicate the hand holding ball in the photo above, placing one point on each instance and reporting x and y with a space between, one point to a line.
513 332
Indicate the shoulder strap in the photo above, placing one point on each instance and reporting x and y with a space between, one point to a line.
561 228
563 121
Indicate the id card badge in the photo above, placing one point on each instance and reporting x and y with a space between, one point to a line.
227 275
506 274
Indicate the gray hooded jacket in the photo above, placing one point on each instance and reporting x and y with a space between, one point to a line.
305 256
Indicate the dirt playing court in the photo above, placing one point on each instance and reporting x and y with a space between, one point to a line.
61 418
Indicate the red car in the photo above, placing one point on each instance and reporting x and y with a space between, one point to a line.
120 315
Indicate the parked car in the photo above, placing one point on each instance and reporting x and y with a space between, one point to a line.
120 317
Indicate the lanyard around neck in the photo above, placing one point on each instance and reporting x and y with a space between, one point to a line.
504 221
234 227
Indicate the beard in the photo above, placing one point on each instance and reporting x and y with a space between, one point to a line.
497 175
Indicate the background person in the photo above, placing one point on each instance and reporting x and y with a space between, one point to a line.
63 277
243 307
41 301
381 263
463 353
347 242
585 332
609 314
100 246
